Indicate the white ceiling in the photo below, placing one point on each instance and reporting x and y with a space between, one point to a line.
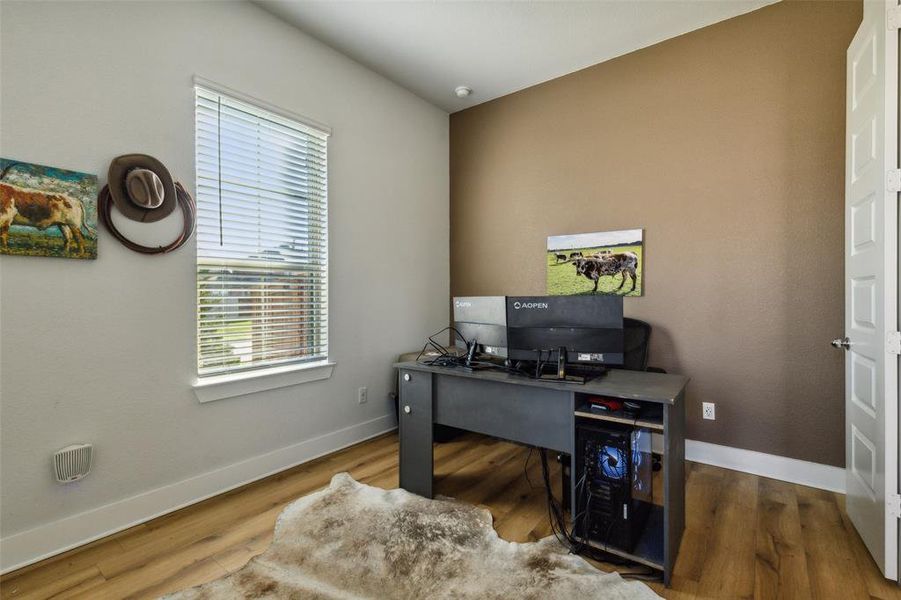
494 47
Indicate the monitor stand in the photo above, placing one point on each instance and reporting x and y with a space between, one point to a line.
470 363
560 375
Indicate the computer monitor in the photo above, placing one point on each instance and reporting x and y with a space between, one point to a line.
588 329
482 319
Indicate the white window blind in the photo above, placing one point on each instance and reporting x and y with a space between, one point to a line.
262 224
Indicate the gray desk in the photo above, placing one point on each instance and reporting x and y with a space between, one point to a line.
544 414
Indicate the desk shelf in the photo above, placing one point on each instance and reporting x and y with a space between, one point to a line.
651 415
614 418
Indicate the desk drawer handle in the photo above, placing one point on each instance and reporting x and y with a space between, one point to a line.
407 409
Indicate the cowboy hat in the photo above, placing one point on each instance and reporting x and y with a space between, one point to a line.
141 187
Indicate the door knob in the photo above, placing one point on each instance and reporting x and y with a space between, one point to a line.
843 343
407 409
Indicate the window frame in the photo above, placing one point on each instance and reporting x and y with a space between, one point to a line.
227 382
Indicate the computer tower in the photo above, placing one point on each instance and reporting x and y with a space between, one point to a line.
613 483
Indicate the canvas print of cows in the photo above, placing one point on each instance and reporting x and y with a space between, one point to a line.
46 211
608 262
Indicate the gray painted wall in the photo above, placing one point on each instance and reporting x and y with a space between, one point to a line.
103 351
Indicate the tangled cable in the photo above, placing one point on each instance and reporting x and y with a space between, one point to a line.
189 213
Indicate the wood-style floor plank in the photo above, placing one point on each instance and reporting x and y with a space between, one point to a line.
781 566
830 561
54 587
728 570
702 496
745 536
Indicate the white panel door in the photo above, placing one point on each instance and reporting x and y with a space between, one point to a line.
871 280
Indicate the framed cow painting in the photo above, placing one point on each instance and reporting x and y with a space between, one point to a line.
608 262
45 211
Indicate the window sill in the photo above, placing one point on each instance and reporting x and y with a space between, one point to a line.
219 387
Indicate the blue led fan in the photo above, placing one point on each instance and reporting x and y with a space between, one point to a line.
612 462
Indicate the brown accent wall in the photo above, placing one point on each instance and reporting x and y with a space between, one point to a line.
727 146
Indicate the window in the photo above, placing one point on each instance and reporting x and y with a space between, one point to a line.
262 297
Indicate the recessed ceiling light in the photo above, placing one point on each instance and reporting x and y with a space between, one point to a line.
462 91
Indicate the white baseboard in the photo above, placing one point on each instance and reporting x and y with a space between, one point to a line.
36 544
825 477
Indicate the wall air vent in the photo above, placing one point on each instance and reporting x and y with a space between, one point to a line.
72 462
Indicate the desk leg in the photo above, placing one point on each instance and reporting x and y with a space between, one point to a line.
415 425
674 483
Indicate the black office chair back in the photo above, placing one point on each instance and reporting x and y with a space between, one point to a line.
636 337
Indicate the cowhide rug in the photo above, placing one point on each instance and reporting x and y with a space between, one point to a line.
351 540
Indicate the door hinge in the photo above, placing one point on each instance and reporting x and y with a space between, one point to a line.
893 342
893 506
893 180
893 18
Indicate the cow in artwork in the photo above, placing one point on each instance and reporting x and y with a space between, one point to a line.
609 265
42 210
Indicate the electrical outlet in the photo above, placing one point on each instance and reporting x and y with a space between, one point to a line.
708 410
362 395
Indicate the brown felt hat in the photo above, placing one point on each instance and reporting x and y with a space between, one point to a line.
141 187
